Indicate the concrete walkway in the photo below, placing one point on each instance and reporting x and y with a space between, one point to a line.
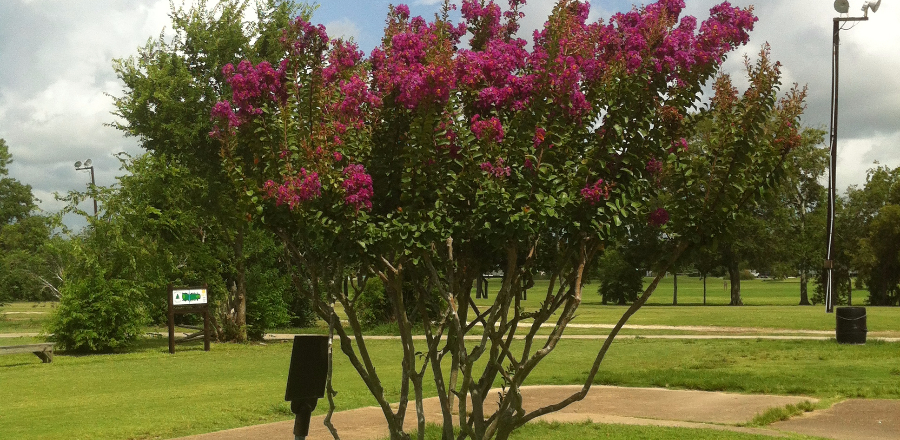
853 419
796 337
603 404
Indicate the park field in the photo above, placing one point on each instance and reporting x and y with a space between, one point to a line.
149 393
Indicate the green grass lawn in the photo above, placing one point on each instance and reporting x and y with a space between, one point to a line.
148 393
690 292
24 317
151 394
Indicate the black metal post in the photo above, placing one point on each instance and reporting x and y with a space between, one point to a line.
832 185
94 187
829 256
89 167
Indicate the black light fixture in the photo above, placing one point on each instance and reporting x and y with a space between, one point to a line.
88 165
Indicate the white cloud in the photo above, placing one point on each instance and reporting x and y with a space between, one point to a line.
343 28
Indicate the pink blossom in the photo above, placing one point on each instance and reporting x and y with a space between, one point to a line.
539 135
680 144
594 193
490 129
497 169
295 190
658 217
654 166
357 187
253 87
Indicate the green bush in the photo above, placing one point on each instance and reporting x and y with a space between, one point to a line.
97 314
620 281
373 306
746 275
266 305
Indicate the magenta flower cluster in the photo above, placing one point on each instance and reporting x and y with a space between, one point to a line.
416 67
658 217
295 190
342 58
357 98
357 187
593 194
302 38
679 145
421 67
539 136
654 166
497 169
254 86
490 129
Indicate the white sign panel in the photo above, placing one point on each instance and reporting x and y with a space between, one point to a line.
184 297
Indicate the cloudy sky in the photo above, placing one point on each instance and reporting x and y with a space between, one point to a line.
56 76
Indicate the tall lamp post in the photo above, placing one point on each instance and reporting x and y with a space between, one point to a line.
841 6
88 166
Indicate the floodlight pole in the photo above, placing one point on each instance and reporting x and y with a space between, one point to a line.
829 258
93 184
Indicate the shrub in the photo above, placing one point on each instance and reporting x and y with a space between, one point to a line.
97 314
620 281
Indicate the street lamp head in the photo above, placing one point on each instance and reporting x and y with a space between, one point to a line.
841 6
87 163
78 164
870 5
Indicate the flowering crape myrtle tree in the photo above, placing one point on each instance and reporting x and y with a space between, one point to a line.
437 158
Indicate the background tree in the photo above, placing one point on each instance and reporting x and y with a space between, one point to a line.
170 88
25 235
878 257
151 223
621 279
705 260
796 212
864 208
854 215
722 145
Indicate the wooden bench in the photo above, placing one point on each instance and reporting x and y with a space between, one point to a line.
43 351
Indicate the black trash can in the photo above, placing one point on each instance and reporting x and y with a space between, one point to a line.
851 325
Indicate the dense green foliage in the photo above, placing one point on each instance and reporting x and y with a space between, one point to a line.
154 231
98 310
27 247
621 279
170 87
866 238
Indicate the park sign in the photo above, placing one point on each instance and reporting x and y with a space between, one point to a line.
185 297
188 300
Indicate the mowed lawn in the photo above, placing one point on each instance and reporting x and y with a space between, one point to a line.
768 304
150 394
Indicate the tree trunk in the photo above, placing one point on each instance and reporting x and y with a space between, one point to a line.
675 290
849 289
240 315
804 291
704 289
734 274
